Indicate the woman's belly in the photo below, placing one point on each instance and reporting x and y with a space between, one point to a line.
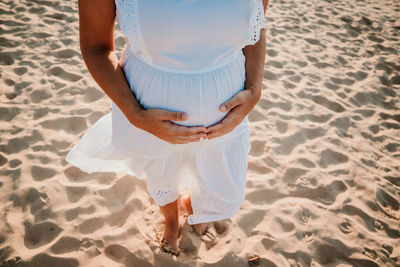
199 95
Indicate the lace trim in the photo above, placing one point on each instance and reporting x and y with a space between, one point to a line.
163 194
126 13
256 22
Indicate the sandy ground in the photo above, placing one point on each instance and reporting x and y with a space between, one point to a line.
324 169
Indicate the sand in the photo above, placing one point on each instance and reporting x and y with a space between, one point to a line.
323 184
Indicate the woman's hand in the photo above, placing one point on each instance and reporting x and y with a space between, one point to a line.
157 122
244 101
238 106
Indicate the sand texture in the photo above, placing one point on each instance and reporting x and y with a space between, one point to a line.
323 186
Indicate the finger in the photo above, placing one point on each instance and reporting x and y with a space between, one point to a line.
216 127
221 128
197 129
188 131
179 130
231 103
197 137
214 135
188 139
174 115
230 118
220 125
172 130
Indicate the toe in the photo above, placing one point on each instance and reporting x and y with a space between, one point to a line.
166 247
200 228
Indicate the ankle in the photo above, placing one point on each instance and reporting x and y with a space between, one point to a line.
172 224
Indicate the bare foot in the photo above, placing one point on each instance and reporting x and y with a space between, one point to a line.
185 203
169 242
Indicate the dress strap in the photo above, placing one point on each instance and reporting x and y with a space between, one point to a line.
256 22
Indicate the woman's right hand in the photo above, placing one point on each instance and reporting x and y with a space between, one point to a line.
157 122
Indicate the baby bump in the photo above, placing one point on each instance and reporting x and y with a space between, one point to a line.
199 95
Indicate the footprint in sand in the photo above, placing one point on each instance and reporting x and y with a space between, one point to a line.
73 125
61 73
66 53
122 255
20 70
40 234
40 173
72 214
39 95
92 94
75 193
117 195
66 244
44 259
330 157
190 241
3 160
210 236
91 225
8 114
75 174
304 215
292 174
6 59
346 226
389 204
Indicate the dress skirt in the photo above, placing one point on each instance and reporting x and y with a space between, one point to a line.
213 170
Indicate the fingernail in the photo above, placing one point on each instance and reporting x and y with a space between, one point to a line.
223 108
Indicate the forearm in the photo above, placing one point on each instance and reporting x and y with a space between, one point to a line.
105 69
255 59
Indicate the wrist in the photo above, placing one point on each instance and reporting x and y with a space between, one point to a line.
137 117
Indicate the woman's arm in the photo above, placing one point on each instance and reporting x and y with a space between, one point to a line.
96 34
255 57
244 101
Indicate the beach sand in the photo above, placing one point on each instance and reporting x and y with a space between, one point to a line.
323 185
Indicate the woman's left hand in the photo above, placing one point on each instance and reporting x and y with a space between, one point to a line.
238 107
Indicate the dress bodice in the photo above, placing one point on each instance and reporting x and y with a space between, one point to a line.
189 35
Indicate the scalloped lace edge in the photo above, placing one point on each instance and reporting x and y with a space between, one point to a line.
256 23
130 25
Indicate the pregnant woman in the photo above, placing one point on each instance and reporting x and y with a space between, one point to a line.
190 73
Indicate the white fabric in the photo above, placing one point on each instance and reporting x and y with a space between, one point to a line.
189 35
181 55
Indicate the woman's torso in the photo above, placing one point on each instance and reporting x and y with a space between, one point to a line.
184 55
188 35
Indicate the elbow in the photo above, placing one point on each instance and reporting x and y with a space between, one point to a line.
87 48
90 50
257 96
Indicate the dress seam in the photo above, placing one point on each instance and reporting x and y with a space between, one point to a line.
216 67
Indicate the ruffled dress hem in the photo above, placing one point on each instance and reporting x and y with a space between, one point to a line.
96 153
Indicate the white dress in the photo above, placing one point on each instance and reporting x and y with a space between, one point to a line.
180 55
